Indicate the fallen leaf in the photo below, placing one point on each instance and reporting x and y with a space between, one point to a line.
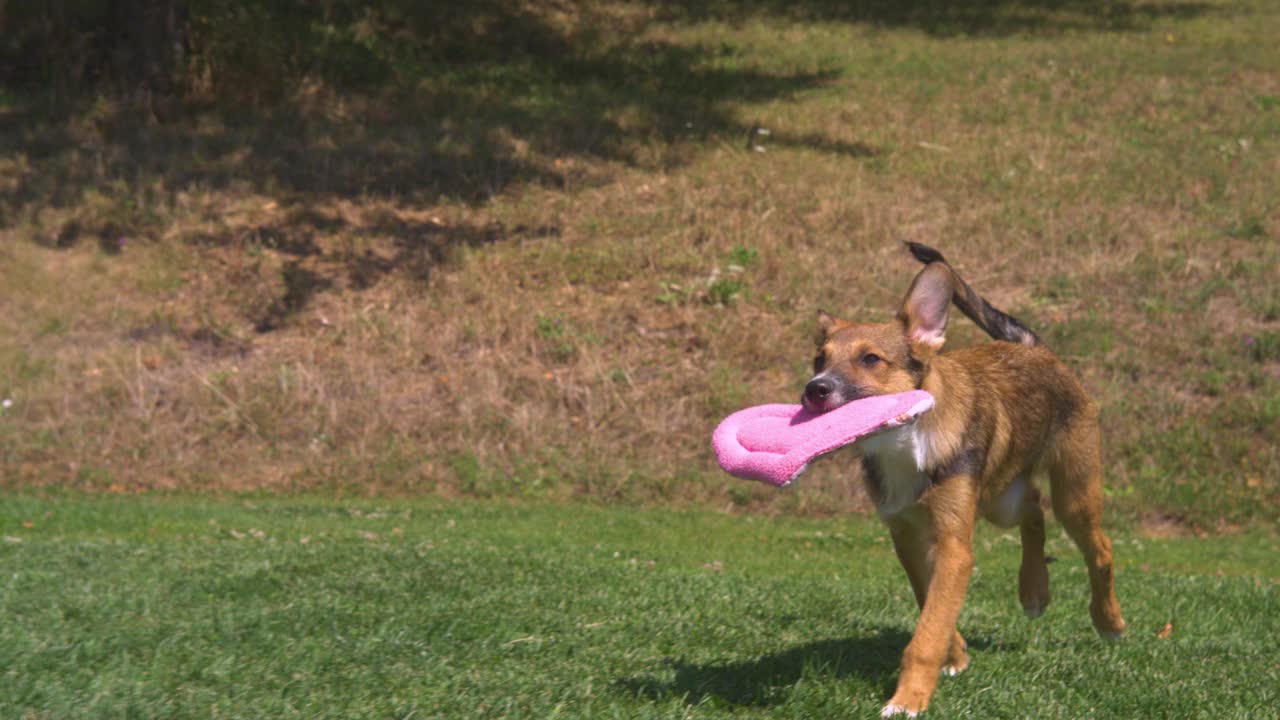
1165 631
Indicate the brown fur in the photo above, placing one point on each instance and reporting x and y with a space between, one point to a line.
1004 414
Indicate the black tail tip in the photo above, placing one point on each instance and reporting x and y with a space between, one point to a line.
924 253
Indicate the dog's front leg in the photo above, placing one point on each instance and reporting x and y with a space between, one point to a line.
949 515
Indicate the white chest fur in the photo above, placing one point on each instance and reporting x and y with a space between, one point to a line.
900 455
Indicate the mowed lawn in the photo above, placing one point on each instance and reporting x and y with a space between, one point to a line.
278 608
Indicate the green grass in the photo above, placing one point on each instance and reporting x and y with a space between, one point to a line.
150 607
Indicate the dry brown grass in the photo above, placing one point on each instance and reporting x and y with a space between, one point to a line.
578 330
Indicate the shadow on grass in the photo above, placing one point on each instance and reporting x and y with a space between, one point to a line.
411 104
388 107
407 105
419 102
492 113
947 18
766 681
423 101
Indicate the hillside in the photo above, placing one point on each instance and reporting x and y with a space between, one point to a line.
543 254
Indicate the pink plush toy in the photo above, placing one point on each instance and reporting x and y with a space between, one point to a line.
775 443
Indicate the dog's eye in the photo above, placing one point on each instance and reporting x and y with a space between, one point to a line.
870 360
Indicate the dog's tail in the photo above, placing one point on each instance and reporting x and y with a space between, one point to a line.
995 323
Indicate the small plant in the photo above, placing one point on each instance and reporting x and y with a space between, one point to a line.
469 473
550 328
1213 382
1251 228
1264 347
743 257
555 333
723 291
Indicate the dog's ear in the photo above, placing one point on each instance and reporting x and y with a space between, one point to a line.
924 311
826 325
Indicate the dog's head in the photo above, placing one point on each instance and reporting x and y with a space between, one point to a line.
856 360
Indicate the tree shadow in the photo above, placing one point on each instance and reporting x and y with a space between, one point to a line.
422 102
766 681
946 18
391 242
396 104
409 102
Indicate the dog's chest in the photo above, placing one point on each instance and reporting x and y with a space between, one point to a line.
894 462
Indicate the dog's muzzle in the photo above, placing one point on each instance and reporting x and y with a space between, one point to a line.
817 392
824 393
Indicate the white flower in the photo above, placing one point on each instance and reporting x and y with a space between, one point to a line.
6 403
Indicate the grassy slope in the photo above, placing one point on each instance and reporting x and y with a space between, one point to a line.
551 273
307 608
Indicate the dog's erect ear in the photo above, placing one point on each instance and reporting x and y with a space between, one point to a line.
924 311
826 325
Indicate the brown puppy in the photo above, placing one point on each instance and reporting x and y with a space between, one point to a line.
1005 413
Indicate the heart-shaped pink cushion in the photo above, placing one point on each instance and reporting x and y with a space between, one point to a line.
775 443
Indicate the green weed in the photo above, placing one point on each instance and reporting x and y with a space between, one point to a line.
743 257
1265 346
724 291
1251 228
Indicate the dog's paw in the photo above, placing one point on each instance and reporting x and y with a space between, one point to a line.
892 710
1111 635
1110 625
1033 589
957 658
956 664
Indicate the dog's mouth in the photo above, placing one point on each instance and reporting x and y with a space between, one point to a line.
819 407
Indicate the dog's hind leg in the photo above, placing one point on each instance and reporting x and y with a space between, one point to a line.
1033 576
1076 485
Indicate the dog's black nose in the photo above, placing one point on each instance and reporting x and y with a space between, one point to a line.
818 389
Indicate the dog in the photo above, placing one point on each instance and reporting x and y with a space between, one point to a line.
1006 413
